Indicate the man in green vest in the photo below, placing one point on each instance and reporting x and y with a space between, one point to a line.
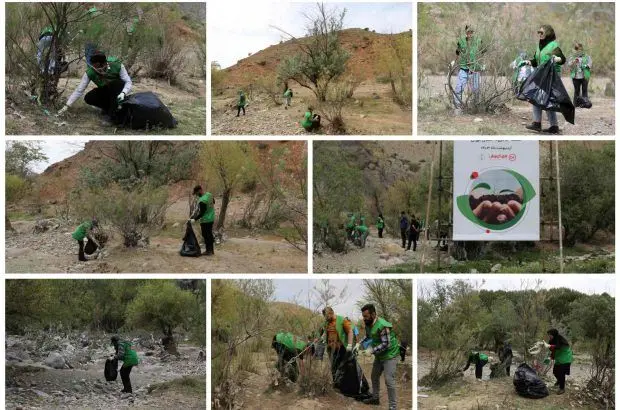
311 121
380 225
241 103
288 96
580 65
479 359
339 338
468 53
350 227
548 49
112 81
288 347
126 353
362 231
205 213
383 344
83 234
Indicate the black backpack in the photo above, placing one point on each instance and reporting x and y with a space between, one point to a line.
190 246
110 371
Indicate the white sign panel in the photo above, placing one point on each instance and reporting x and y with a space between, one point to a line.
496 191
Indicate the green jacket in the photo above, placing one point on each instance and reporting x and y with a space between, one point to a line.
242 100
542 56
380 223
375 336
351 222
362 228
469 53
307 122
209 215
127 354
112 73
288 93
290 341
481 356
563 355
585 59
82 231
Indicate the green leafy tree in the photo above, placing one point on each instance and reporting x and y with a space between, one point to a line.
20 156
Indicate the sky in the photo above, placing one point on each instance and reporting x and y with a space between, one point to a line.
588 284
288 290
236 29
57 151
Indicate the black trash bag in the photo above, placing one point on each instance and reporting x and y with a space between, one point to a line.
544 89
583 102
144 110
350 379
110 371
528 384
90 247
190 245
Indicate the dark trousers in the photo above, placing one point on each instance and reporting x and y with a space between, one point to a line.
81 256
105 97
581 88
239 109
479 365
380 232
403 236
207 235
403 351
125 370
413 239
560 371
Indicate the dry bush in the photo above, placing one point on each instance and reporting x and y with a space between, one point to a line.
314 379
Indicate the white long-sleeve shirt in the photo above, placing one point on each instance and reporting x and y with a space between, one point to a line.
85 81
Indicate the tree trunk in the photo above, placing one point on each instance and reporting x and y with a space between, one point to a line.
225 201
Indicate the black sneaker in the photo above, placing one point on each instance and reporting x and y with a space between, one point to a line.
372 400
554 129
535 126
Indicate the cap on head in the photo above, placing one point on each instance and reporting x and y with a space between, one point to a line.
98 57
115 339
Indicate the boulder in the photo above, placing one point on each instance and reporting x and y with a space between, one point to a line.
55 361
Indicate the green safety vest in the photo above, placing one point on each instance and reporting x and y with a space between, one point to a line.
241 102
46 31
351 223
380 223
584 68
209 215
290 341
468 53
288 93
542 56
112 73
563 355
307 122
375 336
131 356
362 228
481 356
82 230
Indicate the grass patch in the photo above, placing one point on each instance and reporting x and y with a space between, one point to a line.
21 216
187 384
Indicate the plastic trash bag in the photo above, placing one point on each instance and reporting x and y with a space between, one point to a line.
190 245
90 247
110 371
528 384
144 110
350 379
544 89
583 102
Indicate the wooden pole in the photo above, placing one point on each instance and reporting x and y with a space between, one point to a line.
428 209
557 178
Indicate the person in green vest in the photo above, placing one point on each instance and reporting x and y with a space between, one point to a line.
205 213
383 344
468 53
44 47
311 121
288 96
288 347
380 225
83 234
580 65
241 103
112 81
548 49
362 231
562 355
338 337
125 352
350 226
479 359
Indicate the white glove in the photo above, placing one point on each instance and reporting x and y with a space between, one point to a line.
120 97
483 67
356 348
528 62
191 220
547 345
452 63
62 110
557 59
349 348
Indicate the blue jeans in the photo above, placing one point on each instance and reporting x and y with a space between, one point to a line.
465 77
551 116
43 47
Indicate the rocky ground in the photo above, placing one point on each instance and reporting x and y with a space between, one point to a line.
66 371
